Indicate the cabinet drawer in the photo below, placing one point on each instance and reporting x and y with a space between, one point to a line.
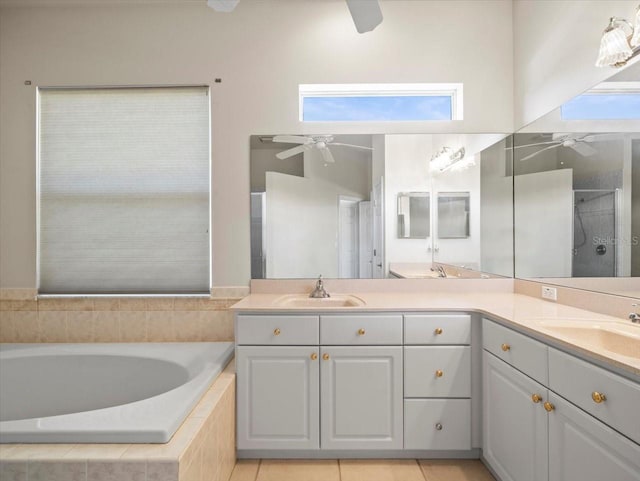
362 330
437 371
437 424
577 380
522 352
437 329
277 330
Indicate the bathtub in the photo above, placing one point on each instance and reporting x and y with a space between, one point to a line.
103 393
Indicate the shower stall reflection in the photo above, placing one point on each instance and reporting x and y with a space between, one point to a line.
594 233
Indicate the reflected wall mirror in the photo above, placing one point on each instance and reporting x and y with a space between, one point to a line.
414 215
577 191
365 209
453 215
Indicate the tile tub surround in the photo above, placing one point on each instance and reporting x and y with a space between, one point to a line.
117 319
203 449
518 311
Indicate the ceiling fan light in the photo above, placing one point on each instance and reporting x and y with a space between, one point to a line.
614 46
635 39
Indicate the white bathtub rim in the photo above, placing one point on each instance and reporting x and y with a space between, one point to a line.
151 420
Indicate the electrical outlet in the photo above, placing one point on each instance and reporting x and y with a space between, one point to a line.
550 293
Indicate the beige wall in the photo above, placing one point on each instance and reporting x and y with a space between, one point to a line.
262 52
555 49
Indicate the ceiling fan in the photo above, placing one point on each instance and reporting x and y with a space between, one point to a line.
319 142
578 142
366 14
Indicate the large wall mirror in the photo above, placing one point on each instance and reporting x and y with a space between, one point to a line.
577 191
380 206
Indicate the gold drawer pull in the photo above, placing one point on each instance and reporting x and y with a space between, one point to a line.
598 397
361 332
506 347
314 356
439 373
548 406
438 331
536 398
276 332
325 356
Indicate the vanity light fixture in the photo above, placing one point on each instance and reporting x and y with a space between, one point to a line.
445 159
616 46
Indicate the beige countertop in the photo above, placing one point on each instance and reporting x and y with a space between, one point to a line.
523 313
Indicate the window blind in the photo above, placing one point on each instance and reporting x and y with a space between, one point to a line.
124 191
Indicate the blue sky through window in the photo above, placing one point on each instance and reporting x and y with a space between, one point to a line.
377 108
609 106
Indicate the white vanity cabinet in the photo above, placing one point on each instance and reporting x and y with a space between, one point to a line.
278 376
537 421
515 424
278 397
361 397
437 382
340 387
583 448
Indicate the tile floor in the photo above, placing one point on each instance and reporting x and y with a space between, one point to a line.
360 470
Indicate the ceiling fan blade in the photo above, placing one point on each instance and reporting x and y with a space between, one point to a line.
292 139
583 149
285 154
533 145
539 152
326 155
225 6
366 14
352 146
601 137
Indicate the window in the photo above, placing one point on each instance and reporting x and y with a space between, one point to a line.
380 102
124 191
610 101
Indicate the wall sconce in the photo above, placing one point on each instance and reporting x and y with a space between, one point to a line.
616 47
446 158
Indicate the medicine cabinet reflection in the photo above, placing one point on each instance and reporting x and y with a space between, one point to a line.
453 215
414 219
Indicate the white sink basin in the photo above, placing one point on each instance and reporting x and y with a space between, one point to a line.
615 337
303 300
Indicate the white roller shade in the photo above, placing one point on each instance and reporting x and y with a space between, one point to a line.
124 190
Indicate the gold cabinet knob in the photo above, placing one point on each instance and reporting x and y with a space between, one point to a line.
438 331
325 356
439 373
361 332
314 356
598 397
506 347
536 398
548 406
276 332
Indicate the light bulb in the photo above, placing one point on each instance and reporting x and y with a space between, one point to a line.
635 39
614 46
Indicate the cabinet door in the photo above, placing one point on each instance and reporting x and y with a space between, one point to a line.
361 397
278 398
583 448
515 429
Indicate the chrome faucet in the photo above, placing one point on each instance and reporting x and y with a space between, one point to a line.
440 270
319 292
635 317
